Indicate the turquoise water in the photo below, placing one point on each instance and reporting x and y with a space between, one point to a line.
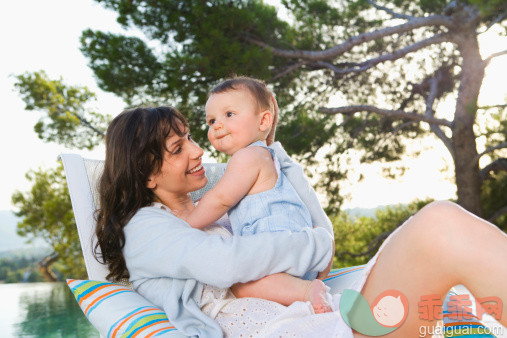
41 310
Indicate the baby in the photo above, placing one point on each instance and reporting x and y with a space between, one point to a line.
253 191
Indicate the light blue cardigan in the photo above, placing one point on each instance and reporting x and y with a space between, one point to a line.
169 261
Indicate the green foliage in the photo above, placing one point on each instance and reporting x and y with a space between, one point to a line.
16 270
198 43
493 189
46 213
200 40
490 9
494 198
189 46
358 239
135 68
433 6
67 120
495 130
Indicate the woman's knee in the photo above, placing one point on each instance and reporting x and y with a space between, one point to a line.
432 228
442 209
440 216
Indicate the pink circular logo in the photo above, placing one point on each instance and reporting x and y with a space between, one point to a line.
390 308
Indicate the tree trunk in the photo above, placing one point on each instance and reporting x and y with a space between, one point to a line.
45 267
468 180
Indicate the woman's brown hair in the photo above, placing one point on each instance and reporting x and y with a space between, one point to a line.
135 147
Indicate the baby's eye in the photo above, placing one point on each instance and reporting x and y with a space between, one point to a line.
211 122
229 114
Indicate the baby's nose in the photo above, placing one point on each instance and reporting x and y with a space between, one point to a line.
217 125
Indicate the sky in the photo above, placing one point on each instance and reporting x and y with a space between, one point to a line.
44 35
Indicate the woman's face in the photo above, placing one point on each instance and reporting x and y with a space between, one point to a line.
181 171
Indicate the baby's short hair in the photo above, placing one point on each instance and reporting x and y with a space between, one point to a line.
259 90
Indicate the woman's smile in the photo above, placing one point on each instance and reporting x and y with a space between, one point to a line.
197 171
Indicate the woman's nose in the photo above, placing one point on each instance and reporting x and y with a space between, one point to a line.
197 151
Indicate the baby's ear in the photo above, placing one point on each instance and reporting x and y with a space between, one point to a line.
266 120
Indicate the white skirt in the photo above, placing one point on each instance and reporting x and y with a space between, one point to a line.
253 317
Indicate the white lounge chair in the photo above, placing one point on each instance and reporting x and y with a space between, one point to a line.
82 178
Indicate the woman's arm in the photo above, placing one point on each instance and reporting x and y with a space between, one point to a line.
158 244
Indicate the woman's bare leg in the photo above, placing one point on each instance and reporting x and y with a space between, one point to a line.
441 246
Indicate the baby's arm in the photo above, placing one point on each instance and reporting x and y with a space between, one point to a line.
239 177
285 289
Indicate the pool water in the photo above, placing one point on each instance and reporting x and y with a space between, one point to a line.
41 310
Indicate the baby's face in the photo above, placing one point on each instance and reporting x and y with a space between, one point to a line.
233 120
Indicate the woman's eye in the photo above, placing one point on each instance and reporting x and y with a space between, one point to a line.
189 137
229 114
177 151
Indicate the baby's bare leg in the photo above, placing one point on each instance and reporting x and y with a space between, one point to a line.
285 289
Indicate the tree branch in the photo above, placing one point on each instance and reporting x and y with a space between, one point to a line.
323 64
393 133
398 54
497 20
490 149
362 127
330 54
45 267
494 106
386 112
83 121
497 165
287 70
345 120
390 11
494 55
430 112
86 123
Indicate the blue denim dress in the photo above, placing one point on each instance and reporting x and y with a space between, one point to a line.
277 209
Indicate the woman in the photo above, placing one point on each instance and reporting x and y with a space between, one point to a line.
152 164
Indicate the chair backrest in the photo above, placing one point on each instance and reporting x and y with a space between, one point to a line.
82 178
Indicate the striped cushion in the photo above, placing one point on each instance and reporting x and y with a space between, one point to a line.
343 278
457 325
117 311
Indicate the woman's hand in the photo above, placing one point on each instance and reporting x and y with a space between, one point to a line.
323 274
271 136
